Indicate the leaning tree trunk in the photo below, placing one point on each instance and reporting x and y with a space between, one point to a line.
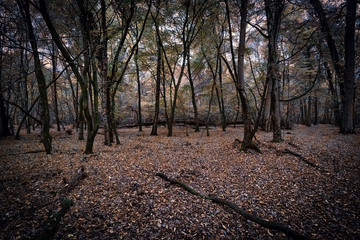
40 78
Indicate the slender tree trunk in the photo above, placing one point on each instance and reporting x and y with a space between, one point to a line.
221 99
316 112
55 100
237 109
45 115
164 92
193 97
157 91
138 87
334 94
105 99
349 76
308 114
266 119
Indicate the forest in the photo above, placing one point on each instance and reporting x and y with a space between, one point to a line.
179 119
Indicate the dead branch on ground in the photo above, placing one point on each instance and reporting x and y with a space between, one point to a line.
265 223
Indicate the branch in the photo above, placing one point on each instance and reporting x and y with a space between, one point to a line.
265 223
300 157
258 29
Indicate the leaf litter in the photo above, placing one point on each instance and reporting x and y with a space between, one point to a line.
121 198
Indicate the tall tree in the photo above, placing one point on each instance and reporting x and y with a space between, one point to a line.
238 74
55 98
344 72
92 121
24 6
158 82
105 85
349 83
274 9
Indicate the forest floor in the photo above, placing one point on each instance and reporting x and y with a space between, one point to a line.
121 198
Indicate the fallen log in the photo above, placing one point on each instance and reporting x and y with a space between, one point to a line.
52 223
81 174
288 151
265 223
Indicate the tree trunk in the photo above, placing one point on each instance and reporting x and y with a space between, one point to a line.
308 114
138 87
334 94
40 78
193 94
55 101
92 125
274 9
337 63
221 100
157 91
266 120
105 98
348 98
316 111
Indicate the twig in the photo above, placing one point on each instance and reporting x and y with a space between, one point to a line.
265 223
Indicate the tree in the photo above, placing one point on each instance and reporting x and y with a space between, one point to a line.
158 79
349 83
24 6
274 9
344 72
92 123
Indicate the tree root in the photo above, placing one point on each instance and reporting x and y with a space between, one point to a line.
244 147
265 223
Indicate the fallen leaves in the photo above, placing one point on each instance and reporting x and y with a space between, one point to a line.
122 199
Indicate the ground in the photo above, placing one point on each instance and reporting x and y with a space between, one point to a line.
121 198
